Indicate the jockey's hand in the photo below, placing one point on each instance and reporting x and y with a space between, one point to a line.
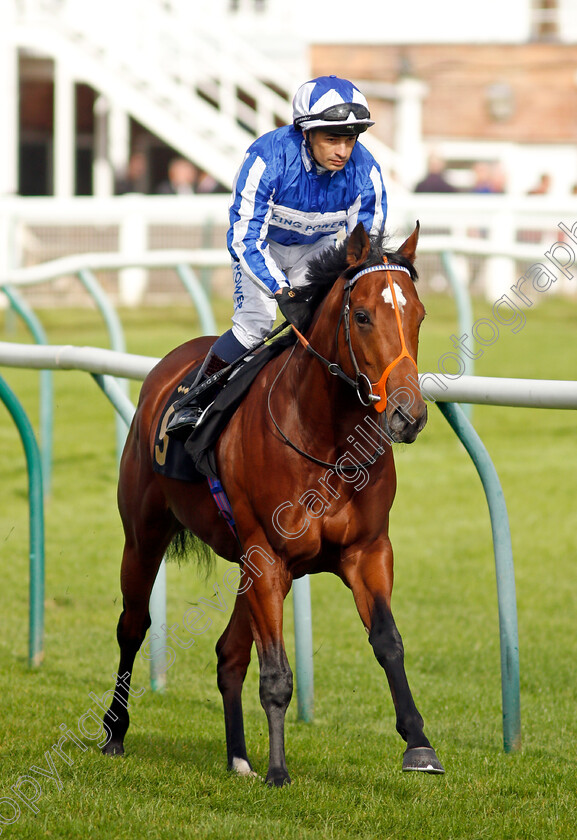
295 311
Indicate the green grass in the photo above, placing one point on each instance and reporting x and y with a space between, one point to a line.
346 765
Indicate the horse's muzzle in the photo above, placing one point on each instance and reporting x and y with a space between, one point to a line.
404 423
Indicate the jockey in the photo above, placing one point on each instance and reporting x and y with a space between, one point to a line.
297 188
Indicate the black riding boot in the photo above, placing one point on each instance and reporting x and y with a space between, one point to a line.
189 408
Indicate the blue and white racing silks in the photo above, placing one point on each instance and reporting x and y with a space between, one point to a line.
280 197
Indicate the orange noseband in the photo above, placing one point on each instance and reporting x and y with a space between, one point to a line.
379 388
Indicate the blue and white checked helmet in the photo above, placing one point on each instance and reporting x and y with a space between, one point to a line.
333 104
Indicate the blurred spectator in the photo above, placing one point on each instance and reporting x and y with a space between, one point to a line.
133 180
489 178
205 183
181 178
482 176
498 178
542 187
435 180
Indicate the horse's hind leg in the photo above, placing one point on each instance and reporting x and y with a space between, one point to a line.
145 543
371 581
233 651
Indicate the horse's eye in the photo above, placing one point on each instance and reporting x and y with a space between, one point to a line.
362 318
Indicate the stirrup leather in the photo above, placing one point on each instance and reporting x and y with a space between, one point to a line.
189 409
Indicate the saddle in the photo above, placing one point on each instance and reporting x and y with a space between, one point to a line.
194 459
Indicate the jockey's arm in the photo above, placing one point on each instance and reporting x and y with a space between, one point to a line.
249 214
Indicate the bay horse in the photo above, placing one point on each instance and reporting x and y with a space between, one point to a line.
309 487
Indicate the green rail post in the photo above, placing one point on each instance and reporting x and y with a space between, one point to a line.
303 648
464 314
36 526
507 601
199 298
157 607
116 335
46 412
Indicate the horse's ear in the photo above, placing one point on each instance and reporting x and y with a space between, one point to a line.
358 246
409 247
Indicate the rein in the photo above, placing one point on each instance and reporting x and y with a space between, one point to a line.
336 467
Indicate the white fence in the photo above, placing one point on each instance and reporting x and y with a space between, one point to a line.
483 390
512 232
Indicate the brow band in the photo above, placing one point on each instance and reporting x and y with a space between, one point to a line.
382 267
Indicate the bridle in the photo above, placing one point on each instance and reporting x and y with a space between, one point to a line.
361 379
404 354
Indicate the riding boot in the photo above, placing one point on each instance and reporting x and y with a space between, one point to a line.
189 409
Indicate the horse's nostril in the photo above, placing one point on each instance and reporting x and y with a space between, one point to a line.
402 417
397 421
404 426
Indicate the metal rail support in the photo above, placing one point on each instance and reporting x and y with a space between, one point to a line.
509 637
36 526
464 314
303 648
46 409
116 335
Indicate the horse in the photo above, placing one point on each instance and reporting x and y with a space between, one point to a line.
307 464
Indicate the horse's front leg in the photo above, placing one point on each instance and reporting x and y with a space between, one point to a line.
265 598
370 576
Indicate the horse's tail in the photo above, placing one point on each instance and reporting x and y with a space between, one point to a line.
187 546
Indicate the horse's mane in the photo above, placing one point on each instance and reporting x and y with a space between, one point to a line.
325 269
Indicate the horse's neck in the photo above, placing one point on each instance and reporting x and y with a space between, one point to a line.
326 408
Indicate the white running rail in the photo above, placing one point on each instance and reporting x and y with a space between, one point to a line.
486 390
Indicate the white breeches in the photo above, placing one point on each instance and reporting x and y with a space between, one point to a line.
254 307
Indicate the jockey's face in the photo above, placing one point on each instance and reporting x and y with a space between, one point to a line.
331 150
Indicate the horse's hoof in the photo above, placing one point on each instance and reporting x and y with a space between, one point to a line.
113 748
423 759
277 778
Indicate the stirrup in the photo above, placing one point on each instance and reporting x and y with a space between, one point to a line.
183 422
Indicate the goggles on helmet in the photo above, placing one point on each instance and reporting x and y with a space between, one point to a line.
337 113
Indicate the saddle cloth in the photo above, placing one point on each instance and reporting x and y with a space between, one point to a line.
194 459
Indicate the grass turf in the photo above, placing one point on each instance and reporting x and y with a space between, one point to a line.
346 765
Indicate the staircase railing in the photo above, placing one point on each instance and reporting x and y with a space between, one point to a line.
199 86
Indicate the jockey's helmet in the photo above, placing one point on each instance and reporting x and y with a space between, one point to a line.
333 104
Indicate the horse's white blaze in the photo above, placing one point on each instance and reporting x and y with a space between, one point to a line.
242 767
388 296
